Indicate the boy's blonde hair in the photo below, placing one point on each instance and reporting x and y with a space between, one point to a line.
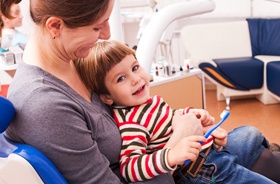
102 57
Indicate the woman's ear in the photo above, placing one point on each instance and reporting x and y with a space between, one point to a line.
106 99
54 25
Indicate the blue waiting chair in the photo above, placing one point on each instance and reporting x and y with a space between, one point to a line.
21 163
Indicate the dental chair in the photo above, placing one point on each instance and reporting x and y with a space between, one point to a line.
234 55
21 163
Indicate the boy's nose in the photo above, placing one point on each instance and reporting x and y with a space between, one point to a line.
135 80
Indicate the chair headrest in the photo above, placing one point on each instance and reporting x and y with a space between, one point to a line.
7 112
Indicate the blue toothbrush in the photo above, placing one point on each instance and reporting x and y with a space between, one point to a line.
224 115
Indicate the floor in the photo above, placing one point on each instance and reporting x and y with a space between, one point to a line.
247 112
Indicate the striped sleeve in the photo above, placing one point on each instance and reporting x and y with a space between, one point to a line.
185 110
136 162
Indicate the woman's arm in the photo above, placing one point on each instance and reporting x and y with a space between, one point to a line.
59 127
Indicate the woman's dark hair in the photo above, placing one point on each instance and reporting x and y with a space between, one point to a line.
74 13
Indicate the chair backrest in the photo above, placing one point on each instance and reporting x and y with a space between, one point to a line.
265 36
21 163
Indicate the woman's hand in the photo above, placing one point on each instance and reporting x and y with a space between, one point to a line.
204 116
187 148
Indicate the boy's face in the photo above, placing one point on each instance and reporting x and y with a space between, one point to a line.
128 83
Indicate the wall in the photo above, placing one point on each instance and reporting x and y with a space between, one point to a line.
133 11
226 10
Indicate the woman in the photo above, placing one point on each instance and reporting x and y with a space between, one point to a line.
57 114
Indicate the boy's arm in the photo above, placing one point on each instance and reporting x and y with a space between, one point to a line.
136 163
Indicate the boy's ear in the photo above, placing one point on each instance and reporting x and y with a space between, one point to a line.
54 26
106 99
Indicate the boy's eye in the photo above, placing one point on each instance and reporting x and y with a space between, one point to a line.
135 68
120 79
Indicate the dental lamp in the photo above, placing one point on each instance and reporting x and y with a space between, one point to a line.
115 23
159 22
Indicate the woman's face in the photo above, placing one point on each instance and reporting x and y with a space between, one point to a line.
77 42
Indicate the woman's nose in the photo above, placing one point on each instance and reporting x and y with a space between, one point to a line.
105 33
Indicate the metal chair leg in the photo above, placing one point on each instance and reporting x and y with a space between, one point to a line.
227 103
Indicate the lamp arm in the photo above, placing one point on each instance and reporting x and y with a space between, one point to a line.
159 22
115 23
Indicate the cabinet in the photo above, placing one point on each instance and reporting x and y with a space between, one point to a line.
181 90
9 69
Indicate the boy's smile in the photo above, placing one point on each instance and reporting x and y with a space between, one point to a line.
128 83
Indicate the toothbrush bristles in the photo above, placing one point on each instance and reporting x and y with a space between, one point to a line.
223 113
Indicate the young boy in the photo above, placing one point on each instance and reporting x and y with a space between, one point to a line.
113 72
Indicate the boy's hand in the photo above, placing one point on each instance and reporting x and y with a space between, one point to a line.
186 124
204 116
220 138
187 148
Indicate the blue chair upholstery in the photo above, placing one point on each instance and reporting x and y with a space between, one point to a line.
247 73
44 168
244 73
265 36
273 76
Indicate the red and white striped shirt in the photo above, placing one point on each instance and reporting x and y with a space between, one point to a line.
144 129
